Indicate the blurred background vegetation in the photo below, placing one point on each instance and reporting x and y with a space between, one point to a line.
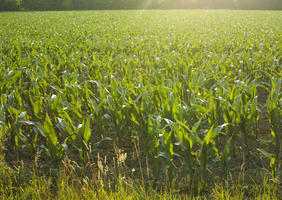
13 5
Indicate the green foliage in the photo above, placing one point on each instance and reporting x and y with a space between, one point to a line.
10 5
137 4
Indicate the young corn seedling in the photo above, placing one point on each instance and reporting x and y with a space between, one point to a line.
230 104
186 139
273 105
153 143
83 136
208 146
226 157
53 148
249 113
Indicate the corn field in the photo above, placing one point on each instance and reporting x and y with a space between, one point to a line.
199 89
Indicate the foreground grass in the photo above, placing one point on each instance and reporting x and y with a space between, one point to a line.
25 183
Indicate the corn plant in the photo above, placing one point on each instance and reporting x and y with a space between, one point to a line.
273 105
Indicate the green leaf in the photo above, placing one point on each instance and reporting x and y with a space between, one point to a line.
51 136
196 125
85 130
212 133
